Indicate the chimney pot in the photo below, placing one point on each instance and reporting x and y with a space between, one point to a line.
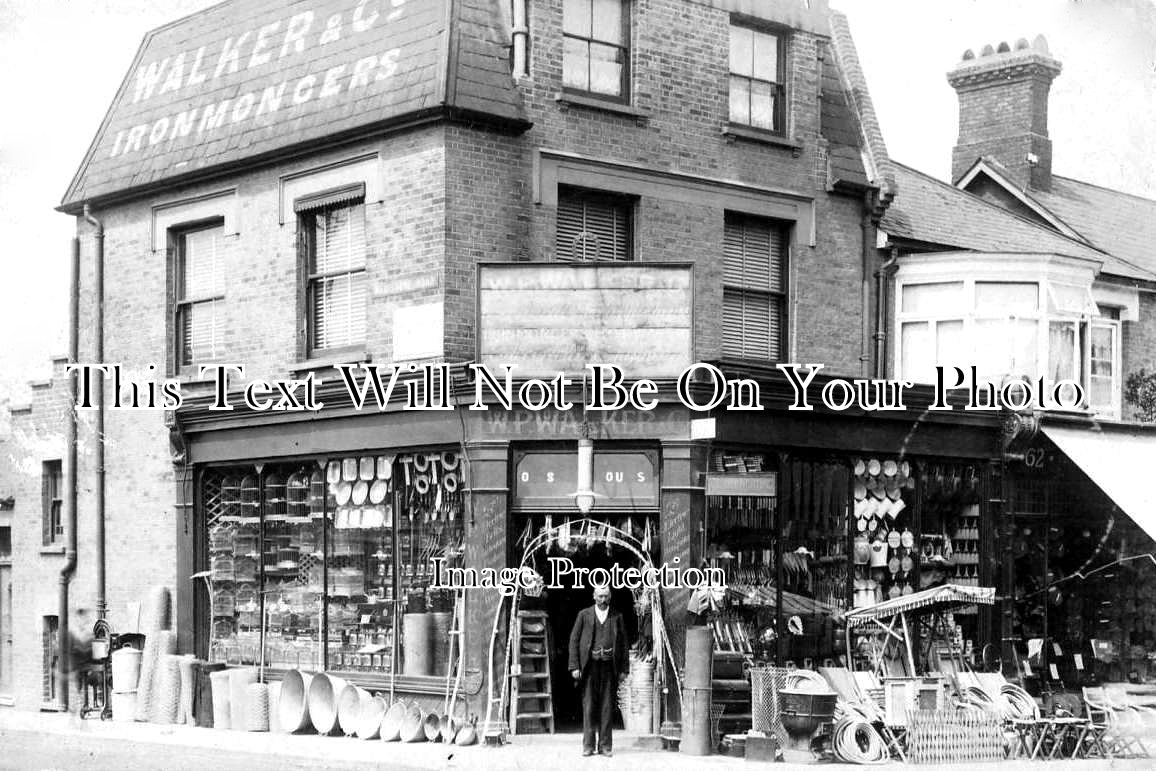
968 55
1003 110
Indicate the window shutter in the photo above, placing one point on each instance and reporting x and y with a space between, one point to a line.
753 295
591 228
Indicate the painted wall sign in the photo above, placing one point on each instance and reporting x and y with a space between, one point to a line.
621 479
542 318
245 77
735 485
663 422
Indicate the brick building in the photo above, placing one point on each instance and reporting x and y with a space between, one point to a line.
300 187
1030 274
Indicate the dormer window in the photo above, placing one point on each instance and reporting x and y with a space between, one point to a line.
757 78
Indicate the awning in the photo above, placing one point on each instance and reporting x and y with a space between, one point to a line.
1121 463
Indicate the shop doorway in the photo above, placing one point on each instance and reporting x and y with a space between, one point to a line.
562 606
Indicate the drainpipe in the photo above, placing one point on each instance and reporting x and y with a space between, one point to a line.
867 225
98 290
64 641
881 315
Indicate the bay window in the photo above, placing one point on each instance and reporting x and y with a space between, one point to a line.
1036 319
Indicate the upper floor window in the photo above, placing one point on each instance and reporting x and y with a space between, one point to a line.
52 501
593 226
754 288
200 293
335 284
757 93
1044 328
596 54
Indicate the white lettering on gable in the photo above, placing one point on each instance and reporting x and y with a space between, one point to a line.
254 48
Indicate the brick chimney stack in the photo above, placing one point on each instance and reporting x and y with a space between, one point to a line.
1003 110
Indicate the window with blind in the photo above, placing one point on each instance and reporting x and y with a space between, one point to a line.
754 288
757 92
336 286
52 492
200 294
593 226
596 47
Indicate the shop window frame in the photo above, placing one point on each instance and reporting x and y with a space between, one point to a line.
202 610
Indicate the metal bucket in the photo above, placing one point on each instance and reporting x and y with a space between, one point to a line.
293 705
322 696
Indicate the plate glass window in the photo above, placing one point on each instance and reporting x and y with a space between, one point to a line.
757 59
336 285
593 226
754 288
596 47
200 294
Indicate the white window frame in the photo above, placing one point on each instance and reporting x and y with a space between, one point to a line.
1050 274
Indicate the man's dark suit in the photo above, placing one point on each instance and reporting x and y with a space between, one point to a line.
598 678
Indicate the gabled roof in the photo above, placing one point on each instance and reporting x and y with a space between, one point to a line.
252 79
1119 223
933 212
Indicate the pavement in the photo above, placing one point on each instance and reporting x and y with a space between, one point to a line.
50 741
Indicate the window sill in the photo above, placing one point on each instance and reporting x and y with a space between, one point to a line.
332 361
52 550
567 99
733 131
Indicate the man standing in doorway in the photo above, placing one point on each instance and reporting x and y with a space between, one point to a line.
597 661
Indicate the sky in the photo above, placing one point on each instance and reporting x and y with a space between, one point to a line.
61 62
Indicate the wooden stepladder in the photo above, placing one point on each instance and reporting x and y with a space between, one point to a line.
531 696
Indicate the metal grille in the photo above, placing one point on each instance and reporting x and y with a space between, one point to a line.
766 682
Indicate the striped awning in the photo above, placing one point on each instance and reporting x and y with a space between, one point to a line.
938 598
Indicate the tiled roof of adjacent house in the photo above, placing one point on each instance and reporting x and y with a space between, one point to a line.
1119 223
933 212
248 79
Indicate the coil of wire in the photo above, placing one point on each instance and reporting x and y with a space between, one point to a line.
856 741
1023 706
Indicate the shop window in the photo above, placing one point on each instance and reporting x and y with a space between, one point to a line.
331 557
49 657
754 288
757 79
335 287
52 502
593 226
596 47
200 276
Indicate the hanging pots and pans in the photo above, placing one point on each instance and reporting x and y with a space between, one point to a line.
377 491
342 492
359 493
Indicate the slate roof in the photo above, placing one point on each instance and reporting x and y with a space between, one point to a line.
188 107
1119 223
848 117
933 212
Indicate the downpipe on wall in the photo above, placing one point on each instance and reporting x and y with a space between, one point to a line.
68 570
98 291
